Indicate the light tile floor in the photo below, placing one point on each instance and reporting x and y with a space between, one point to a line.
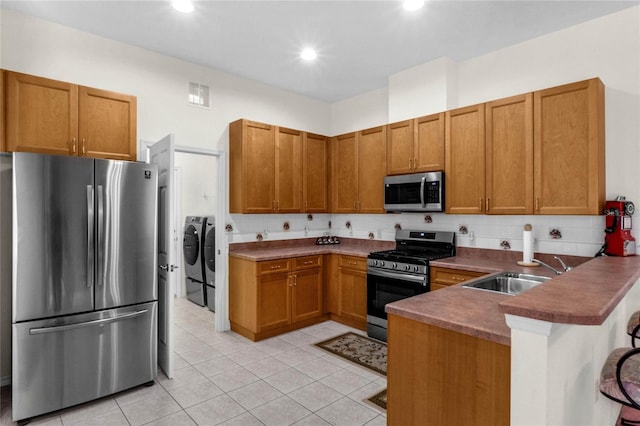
223 378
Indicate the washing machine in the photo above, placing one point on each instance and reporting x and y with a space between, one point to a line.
209 260
192 248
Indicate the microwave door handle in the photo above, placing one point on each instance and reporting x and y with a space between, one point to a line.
422 182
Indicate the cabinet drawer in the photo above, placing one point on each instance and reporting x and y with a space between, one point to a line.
353 262
447 276
273 266
307 262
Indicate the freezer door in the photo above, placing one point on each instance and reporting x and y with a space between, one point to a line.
52 233
126 217
70 360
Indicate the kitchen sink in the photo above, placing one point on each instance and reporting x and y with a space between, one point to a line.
512 283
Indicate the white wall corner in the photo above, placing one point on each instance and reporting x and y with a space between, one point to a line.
424 89
529 325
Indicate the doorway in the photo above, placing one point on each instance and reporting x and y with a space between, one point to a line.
217 189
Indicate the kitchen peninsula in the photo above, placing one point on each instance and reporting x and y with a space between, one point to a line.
540 366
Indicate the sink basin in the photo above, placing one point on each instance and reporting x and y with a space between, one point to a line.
507 283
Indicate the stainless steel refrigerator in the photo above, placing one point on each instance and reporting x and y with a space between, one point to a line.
84 280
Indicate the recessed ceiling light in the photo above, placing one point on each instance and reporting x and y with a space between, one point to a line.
412 5
184 6
308 54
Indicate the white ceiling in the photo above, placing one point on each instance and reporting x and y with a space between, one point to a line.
359 43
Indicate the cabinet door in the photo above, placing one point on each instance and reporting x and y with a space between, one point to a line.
41 115
429 143
372 166
465 168
274 301
307 296
400 155
345 178
509 155
107 126
569 149
251 167
288 184
353 295
315 170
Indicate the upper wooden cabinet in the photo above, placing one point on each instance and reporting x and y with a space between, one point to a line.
465 160
569 149
539 153
372 166
276 170
416 145
251 167
358 170
55 117
509 155
288 167
400 151
315 170
107 124
344 175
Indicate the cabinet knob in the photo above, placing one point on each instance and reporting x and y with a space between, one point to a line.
537 204
72 148
83 145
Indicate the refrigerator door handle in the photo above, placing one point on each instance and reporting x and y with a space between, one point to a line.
90 235
100 245
58 328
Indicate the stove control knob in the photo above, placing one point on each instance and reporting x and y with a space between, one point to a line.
394 265
381 263
407 267
416 268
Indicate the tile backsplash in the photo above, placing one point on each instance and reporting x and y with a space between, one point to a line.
580 235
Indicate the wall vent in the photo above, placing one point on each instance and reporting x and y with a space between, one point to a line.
199 95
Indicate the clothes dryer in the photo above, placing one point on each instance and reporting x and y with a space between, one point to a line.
209 259
192 248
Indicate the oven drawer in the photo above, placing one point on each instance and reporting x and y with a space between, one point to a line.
441 277
353 262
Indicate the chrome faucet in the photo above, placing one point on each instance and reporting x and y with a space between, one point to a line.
557 272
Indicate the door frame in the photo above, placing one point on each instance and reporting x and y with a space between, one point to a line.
222 300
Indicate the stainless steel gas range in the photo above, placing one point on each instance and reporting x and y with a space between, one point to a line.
394 275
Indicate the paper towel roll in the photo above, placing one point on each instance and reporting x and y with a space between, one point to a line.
527 246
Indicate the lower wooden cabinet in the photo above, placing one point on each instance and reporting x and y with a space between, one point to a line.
272 297
444 277
348 291
438 377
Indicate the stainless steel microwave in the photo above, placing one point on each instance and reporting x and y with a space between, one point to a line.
417 192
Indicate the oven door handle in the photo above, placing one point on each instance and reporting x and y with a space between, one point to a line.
399 276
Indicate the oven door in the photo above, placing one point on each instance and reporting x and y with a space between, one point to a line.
385 287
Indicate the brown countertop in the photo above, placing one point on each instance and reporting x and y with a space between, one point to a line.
273 250
585 295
